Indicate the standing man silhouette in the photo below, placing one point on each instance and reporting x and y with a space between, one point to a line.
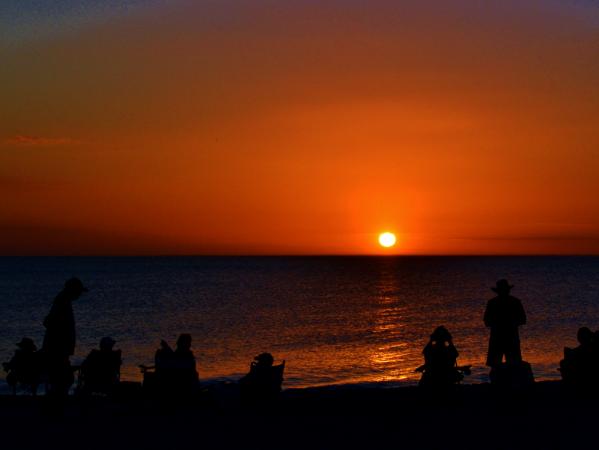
504 314
59 339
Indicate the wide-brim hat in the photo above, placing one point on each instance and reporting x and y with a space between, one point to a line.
502 286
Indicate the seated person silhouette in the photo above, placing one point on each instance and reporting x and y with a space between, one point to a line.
263 382
175 371
24 368
579 366
100 371
440 367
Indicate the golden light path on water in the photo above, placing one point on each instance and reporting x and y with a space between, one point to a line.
390 359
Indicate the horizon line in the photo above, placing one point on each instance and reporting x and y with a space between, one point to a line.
297 255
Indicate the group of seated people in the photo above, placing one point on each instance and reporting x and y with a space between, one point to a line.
580 366
174 371
173 374
99 372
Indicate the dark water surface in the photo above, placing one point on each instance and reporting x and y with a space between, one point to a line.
334 319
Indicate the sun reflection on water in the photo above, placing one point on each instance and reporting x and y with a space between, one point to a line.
389 357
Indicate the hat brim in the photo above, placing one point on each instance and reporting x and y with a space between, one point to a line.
496 289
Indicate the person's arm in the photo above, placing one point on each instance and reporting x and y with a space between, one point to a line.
453 352
427 355
521 314
488 317
50 318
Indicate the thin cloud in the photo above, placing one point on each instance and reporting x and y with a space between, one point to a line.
22 140
535 237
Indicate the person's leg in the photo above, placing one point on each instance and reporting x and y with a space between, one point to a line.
60 375
495 352
513 354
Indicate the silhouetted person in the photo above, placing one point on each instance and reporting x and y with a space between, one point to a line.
175 370
504 314
100 371
440 361
59 339
24 367
263 382
579 366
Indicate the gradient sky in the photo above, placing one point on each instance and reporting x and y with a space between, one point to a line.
296 126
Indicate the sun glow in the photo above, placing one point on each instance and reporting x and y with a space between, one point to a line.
387 239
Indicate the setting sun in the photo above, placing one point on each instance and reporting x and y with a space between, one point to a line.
387 239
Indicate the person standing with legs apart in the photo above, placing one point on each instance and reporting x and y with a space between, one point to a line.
504 314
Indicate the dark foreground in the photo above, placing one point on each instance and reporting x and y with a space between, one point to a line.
320 418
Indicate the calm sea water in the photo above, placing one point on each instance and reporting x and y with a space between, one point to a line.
333 319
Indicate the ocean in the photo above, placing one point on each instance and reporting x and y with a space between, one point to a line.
334 320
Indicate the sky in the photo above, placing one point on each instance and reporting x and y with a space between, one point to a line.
299 127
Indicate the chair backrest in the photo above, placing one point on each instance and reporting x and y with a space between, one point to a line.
277 373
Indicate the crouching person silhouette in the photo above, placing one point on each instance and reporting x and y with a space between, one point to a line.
262 385
440 369
24 368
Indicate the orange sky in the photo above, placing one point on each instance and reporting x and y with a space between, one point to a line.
255 127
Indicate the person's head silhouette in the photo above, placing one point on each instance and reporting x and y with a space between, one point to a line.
74 288
584 336
502 287
441 335
106 344
264 360
184 342
27 345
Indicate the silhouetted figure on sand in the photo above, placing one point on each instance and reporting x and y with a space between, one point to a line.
100 371
440 367
24 368
175 371
504 314
59 340
579 368
262 384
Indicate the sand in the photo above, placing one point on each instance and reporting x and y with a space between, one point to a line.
475 417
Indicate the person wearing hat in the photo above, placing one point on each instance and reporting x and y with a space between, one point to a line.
504 314
59 339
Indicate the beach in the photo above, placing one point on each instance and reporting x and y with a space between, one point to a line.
473 417
335 320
